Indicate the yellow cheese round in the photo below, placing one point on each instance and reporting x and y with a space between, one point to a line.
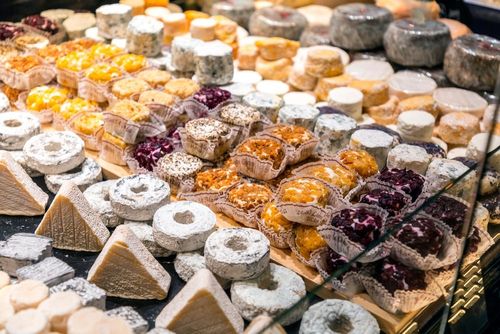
326 84
322 63
203 29
374 92
275 69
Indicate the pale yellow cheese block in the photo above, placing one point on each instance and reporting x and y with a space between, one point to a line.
19 195
260 325
326 84
125 268
201 307
71 222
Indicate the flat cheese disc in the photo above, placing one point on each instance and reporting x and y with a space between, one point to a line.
71 222
249 77
273 87
369 69
406 84
451 99
303 98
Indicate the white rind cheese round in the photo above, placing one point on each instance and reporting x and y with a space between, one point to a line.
239 90
137 197
88 173
214 63
58 15
247 77
411 43
189 263
98 197
477 148
54 152
16 128
347 99
183 53
267 104
303 98
19 157
93 33
277 21
145 36
441 172
145 233
456 152
301 115
183 226
112 20
405 84
404 156
472 61
375 142
452 99
76 24
237 253
275 87
272 293
416 125
359 26
334 132
369 69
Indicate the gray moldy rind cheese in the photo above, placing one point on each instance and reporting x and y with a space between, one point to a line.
138 324
214 63
23 249
88 173
112 20
183 53
51 271
145 36
91 294
236 10
411 43
472 62
301 115
16 128
333 131
277 21
359 26
315 35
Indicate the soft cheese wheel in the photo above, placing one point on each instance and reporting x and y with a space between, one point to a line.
374 92
411 43
277 21
315 35
416 125
323 62
238 89
275 48
411 157
301 115
404 84
369 69
16 128
57 15
183 53
175 24
28 322
214 63
472 62
458 128
316 15
158 13
138 6
237 10
386 113
112 20
452 99
272 87
59 307
359 26
457 152
76 24
273 69
303 98
267 104
347 99
145 36
247 57
326 84
488 123
477 148
297 77
28 294
375 142
203 29
333 131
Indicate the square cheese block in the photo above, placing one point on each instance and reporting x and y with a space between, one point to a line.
50 271
91 295
23 249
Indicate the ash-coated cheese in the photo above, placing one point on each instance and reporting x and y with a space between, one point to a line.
451 99
51 271
476 149
16 128
274 87
302 115
183 53
416 125
369 69
187 264
411 43
112 20
237 253
404 156
405 84
472 62
274 292
144 232
98 197
4 103
348 100
183 226
334 132
91 295
23 249
138 324
267 104
214 63
145 36
277 21
442 172
375 142
237 10
359 26
88 173
315 35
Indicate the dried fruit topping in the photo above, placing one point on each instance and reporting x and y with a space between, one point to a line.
212 97
449 211
359 224
405 180
389 200
396 276
334 261
10 31
151 150
422 235
41 23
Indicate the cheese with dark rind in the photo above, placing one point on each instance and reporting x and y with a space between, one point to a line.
214 63
359 26
277 21
237 10
51 271
23 249
138 324
91 295
315 35
472 61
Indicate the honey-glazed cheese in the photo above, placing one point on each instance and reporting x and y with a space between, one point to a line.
272 218
103 73
130 63
131 110
23 63
157 97
306 191
89 123
292 134
46 97
127 87
307 240
248 196
335 174
216 179
51 53
107 137
274 48
71 107
104 51
182 87
264 149
75 61
360 161
154 77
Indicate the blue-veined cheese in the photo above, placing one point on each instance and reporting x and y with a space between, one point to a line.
145 36
112 20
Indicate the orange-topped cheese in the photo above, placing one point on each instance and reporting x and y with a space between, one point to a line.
334 174
305 190
131 110
75 61
103 72
248 196
359 161
51 52
72 107
292 134
104 51
307 240
130 62
216 179
46 97
107 137
182 87
23 63
264 149
272 218
79 44
89 123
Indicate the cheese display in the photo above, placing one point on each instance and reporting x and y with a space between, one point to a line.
112 20
88 173
16 128
348 100
144 35
124 260
23 249
189 263
451 99
405 84
334 132
51 271
375 142
214 63
277 21
145 234
416 125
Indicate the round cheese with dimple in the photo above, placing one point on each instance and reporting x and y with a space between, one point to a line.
247 77
456 152
304 98
416 125
452 99
404 84
301 115
375 142
273 69
112 20
272 87
16 128
145 36
28 322
374 92
323 62
347 99
203 28
369 69
88 173
98 197
477 148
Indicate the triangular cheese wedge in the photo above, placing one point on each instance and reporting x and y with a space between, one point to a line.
19 195
261 325
125 268
71 222
201 306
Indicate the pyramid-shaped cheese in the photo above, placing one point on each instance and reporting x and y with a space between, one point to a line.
19 195
125 268
261 325
71 222
201 306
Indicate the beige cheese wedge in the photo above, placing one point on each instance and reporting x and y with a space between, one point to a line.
71 222
261 325
201 306
125 268
19 195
